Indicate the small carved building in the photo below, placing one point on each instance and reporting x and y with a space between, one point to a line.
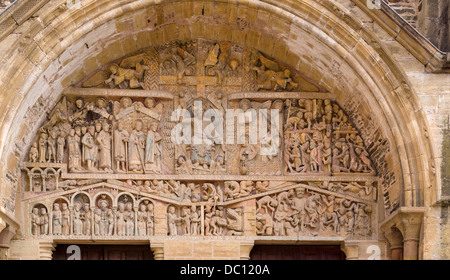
222 130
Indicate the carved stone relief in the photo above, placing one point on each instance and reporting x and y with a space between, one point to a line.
306 212
107 166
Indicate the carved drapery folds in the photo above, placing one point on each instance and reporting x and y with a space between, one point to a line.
93 214
108 166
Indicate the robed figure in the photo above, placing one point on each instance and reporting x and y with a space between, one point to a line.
136 147
153 149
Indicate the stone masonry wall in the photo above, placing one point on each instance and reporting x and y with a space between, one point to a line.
408 9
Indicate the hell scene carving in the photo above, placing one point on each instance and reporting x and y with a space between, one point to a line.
108 166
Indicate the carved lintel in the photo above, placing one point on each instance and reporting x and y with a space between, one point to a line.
100 92
225 177
280 95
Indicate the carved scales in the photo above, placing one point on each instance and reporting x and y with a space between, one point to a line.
103 165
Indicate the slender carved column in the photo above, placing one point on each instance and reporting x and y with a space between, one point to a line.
411 232
158 250
246 248
351 250
395 238
160 219
136 208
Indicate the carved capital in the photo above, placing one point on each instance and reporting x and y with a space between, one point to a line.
246 248
351 250
6 235
158 250
394 237
46 248
410 226
408 220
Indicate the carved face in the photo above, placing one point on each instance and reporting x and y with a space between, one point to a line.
129 206
181 160
287 73
220 160
72 132
113 69
56 207
126 102
150 207
167 64
86 207
103 204
245 106
154 126
142 207
149 103
101 103
35 211
91 130
77 206
172 210
300 192
106 127
121 207
79 103
138 125
335 108
234 64
277 105
98 127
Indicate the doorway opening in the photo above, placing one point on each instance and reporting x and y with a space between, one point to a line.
297 252
102 252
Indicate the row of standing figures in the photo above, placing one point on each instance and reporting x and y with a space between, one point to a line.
101 221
